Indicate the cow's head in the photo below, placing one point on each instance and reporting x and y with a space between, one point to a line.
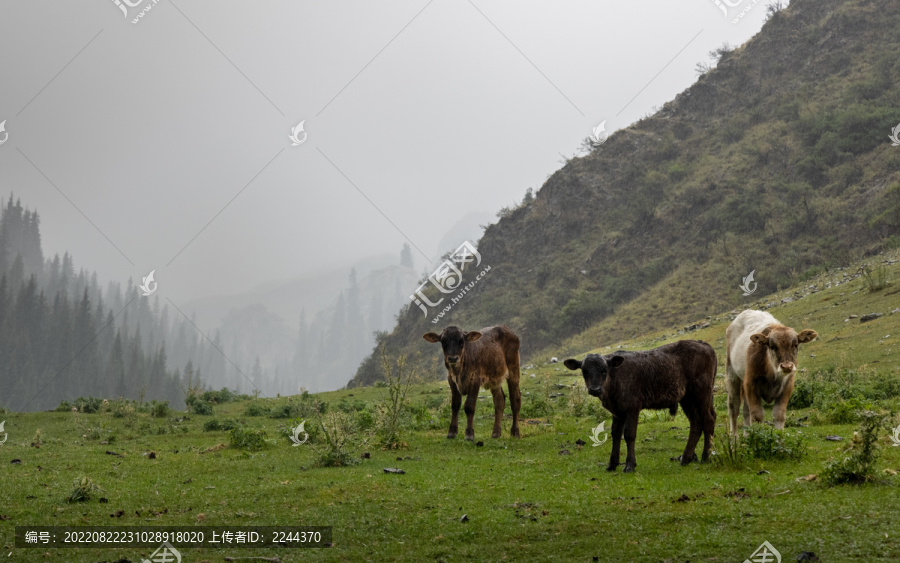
782 343
453 342
596 370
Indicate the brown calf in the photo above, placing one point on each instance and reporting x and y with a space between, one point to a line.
481 359
761 360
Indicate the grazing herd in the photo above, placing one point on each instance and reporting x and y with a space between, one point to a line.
761 360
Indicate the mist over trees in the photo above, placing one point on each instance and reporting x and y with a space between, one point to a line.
62 336
320 351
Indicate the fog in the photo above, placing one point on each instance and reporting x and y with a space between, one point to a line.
164 144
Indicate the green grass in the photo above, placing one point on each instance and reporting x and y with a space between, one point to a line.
525 501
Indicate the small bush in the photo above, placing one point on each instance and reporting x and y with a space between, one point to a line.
252 440
389 411
82 490
339 445
89 405
845 411
727 451
223 395
875 278
256 409
858 464
64 406
216 424
159 409
350 405
804 395
764 442
200 406
306 407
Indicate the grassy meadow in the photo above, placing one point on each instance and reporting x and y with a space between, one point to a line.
228 460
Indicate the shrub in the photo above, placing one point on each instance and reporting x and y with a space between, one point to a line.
388 420
252 440
82 490
219 424
764 442
306 407
804 395
159 409
337 433
858 464
350 405
727 451
64 406
255 409
875 278
89 405
223 395
200 406
844 411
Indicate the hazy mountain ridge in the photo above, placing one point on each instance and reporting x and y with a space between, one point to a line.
777 160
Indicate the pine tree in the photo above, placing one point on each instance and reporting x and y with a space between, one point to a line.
406 257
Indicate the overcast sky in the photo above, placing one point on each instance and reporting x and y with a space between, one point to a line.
164 144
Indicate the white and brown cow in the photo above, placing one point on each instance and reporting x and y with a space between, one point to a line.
761 360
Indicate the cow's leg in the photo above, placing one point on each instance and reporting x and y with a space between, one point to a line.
618 424
779 411
753 407
631 422
734 388
692 413
469 407
455 403
709 429
515 403
499 407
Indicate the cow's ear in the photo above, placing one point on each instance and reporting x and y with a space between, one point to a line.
759 338
572 364
432 337
807 335
615 361
473 335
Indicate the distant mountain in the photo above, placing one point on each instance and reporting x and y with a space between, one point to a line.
775 161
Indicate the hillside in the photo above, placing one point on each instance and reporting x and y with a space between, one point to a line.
776 161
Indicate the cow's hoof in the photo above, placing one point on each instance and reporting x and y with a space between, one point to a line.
451 436
515 433
495 434
612 467
470 437
685 460
630 468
